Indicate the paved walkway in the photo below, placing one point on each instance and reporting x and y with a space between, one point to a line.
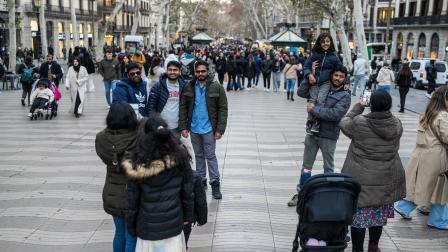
51 180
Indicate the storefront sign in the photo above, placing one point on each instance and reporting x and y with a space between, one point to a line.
61 36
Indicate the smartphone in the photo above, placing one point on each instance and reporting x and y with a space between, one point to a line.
366 97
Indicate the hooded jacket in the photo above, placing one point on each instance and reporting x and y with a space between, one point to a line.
373 158
327 61
133 94
160 199
158 95
111 146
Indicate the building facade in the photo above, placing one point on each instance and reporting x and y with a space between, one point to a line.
420 29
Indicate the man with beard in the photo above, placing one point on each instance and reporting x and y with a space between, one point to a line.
203 113
51 70
330 114
165 94
132 89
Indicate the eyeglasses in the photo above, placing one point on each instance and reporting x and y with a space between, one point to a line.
200 71
134 73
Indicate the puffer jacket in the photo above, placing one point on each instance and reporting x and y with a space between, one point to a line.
160 198
266 66
373 156
327 61
133 94
330 114
385 75
158 96
111 146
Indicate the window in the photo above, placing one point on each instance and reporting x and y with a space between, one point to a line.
434 48
440 67
415 65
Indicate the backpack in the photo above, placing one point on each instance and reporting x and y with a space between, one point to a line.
27 75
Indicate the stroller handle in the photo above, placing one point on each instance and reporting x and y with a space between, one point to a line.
335 179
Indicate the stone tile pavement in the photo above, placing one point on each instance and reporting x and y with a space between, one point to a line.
51 180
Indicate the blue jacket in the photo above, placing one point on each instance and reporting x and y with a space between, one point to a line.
335 107
158 96
132 94
258 62
326 63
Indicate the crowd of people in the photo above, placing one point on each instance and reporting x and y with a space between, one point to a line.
159 104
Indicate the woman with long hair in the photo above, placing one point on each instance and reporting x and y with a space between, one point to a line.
112 144
372 157
266 69
160 194
155 71
404 79
290 72
76 82
124 63
427 172
250 70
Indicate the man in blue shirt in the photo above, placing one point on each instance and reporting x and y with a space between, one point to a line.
203 113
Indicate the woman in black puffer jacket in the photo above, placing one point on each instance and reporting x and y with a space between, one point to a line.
160 189
112 144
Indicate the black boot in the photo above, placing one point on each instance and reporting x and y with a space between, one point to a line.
287 95
292 96
23 101
216 191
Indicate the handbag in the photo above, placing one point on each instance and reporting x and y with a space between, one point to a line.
304 89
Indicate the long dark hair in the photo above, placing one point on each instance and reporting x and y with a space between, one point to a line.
435 106
121 116
317 46
155 141
405 70
155 62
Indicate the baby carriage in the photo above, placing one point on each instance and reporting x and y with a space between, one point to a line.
326 207
52 109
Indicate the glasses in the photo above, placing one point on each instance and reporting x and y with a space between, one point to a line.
135 73
201 71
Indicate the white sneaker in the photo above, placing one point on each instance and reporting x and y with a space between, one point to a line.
30 114
428 95
108 106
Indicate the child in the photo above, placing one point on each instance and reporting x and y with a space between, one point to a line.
317 72
41 97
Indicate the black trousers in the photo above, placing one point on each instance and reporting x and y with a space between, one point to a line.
403 92
26 90
267 80
232 79
38 103
358 235
221 78
431 86
77 103
249 82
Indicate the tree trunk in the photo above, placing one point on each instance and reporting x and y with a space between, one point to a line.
74 25
12 34
43 29
167 23
338 10
334 36
359 22
136 17
102 31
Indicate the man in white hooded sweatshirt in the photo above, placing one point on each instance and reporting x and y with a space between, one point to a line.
360 69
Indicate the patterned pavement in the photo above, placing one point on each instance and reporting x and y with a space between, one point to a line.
51 180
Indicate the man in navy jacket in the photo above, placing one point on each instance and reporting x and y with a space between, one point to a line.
132 89
330 114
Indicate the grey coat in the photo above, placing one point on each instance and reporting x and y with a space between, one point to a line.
373 158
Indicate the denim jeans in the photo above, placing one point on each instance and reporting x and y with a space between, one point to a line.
360 80
291 84
438 217
276 79
123 241
204 147
312 146
257 78
240 81
107 91
384 86
318 95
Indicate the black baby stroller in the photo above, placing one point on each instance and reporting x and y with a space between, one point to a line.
326 207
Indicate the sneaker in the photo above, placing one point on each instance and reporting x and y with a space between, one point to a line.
30 114
293 201
315 127
424 210
428 96
216 190
308 126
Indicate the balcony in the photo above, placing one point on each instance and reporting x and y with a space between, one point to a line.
143 29
421 21
59 12
104 7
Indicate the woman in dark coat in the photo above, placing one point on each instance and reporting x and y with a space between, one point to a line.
404 79
112 144
374 162
27 71
160 189
221 67
231 73
250 70
266 69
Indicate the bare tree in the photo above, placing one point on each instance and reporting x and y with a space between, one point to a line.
74 25
106 24
43 28
136 17
12 34
359 22
252 7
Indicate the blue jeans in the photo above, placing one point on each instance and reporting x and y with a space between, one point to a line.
240 81
438 217
276 79
290 85
360 80
385 87
107 89
123 241
204 147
